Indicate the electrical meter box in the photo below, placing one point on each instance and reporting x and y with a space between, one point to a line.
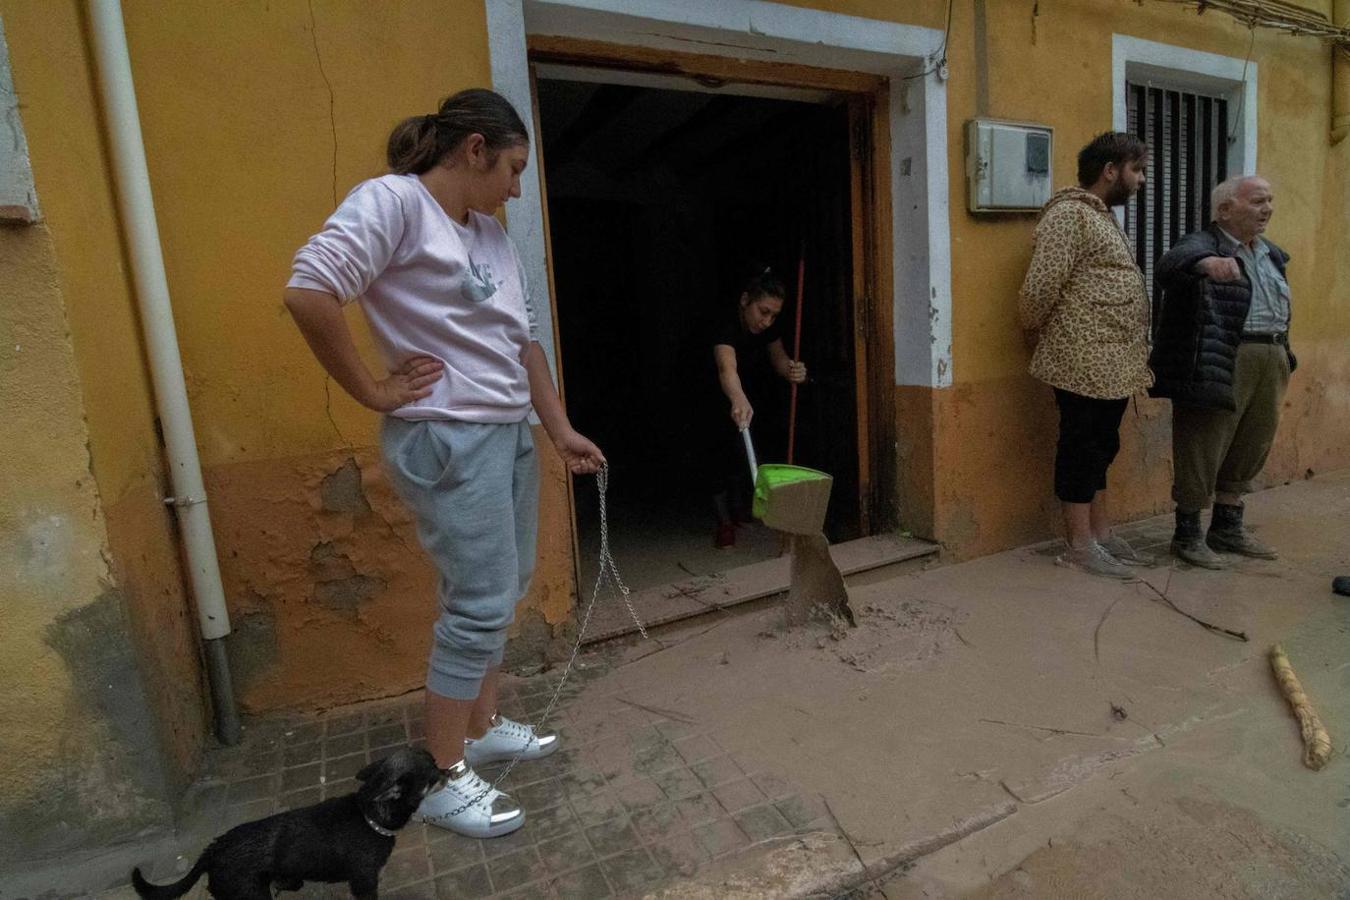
1007 165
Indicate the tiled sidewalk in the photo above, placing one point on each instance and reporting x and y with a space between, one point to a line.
637 798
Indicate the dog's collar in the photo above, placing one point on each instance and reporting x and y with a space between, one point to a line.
378 828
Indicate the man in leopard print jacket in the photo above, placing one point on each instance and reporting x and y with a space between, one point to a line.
1085 302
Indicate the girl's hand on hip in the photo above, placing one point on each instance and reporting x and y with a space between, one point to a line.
582 456
742 413
411 381
796 372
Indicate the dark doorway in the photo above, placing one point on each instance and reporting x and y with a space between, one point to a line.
659 202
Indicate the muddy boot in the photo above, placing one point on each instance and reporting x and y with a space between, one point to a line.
1227 535
1188 544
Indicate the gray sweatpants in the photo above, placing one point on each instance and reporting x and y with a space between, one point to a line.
474 489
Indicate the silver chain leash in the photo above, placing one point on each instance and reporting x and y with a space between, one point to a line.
609 571
607 564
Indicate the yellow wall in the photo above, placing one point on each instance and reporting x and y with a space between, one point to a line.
257 119
992 425
964 479
251 145
56 87
76 719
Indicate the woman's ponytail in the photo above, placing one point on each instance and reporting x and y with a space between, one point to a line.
418 143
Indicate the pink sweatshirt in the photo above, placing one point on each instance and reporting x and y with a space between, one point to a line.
430 286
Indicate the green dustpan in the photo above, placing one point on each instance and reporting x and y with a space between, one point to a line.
789 498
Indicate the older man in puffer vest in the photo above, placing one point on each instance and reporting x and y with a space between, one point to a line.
1221 353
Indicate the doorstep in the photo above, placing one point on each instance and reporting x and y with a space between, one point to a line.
707 593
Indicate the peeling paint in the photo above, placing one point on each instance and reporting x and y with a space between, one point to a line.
341 491
307 579
337 584
346 594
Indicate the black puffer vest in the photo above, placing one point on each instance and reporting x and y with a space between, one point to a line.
1198 326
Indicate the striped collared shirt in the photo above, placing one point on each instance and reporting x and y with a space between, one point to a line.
1269 311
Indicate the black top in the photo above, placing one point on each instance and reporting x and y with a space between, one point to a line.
1198 326
752 351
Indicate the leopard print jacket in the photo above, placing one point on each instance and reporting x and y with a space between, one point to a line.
1086 298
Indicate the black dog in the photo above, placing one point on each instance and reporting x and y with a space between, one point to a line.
347 838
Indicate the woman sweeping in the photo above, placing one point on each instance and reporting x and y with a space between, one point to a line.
442 288
743 342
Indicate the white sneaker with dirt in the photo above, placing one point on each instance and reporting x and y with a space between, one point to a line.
506 739
1121 551
470 806
1093 559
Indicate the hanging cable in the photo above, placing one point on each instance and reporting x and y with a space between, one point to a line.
941 55
1276 14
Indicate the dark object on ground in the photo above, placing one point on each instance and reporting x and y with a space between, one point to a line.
1341 585
347 838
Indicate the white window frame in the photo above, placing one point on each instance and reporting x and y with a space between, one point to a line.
18 196
757 29
1179 68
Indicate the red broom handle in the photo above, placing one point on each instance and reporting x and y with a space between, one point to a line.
796 352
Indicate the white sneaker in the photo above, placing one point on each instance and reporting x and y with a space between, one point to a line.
505 740
470 806
1121 551
1094 560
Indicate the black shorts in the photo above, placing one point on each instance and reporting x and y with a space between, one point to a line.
1089 438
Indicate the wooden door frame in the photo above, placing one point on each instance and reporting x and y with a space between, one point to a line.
870 181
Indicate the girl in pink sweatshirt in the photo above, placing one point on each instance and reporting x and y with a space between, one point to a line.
445 295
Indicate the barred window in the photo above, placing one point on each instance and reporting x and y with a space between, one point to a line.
1187 134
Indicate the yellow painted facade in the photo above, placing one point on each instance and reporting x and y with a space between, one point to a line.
1056 69
258 117
69 688
50 535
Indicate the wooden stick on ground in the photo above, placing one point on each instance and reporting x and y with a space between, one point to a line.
1316 741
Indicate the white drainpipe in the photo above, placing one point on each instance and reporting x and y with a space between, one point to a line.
161 342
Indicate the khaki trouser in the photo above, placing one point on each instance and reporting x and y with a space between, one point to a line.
1218 450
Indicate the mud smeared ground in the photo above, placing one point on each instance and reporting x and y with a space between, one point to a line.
1187 848
891 637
